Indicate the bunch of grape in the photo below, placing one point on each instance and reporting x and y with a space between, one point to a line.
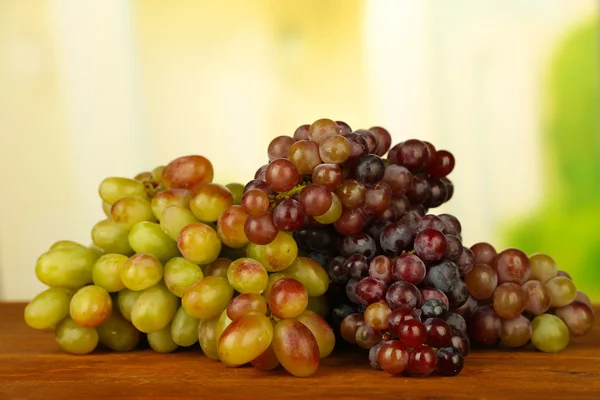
515 299
169 264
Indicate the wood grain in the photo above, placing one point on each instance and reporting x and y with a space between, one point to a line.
33 367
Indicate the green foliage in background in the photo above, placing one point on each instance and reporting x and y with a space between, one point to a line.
567 223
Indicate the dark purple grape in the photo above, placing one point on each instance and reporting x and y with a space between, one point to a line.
409 268
449 188
484 326
422 362
351 291
439 333
369 170
454 248
439 193
376 227
413 154
458 295
466 309
403 294
370 138
411 220
322 259
258 184
394 238
357 266
260 173
381 268
430 221
374 353
320 239
466 261
359 243
450 361
344 127
433 309
400 205
419 190
452 225
456 321
288 215
358 147
400 316
461 342
430 245
336 270
442 164
383 138
370 290
398 177
341 311
430 293
443 276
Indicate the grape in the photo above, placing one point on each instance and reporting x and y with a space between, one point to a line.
74 339
247 276
384 139
454 251
351 291
369 170
319 305
166 198
357 266
207 297
578 316
246 303
377 315
442 164
280 147
374 354
369 138
403 294
207 337
199 243
509 300
288 215
377 199
409 268
188 172
562 291
128 211
350 222
231 228
106 272
438 193
563 273
287 298
350 325
582 297
277 255
412 154
126 299
161 342
515 332
443 276
466 309
422 361
48 308
245 339
484 253
433 309
466 261
538 298
305 156
358 147
296 348
113 189
237 190
310 274
485 326
481 281
68 267
393 357
154 309
381 267
141 271
452 225
90 306
184 328
398 177
301 132
543 267
359 243
411 220
210 201
334 149
430 221
281 175
419 190
315 199
400 205
351 193
333 213
460 341
439 333
272 279
400 316
412 333
258 184
456 322
337 272
434 294
267 361
450 361
549 333
328 175
255 203
181 274
430 245
512 265
366 337
370 290
65 243
344 127
458 295
117 333
148 237
261 230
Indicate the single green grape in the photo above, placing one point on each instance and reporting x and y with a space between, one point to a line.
184 328
543 267
161 341
321 331
310 274
117 333
154 309
296 348
66 267
157 174
90 306
48 308
207 337
237 190
141 271
222 323
334 212
126 299
199 243
64 243
245 339
106 209
148 237
171 197
277 255
106 272
174 219
74 339
562 291
247 276
108 236
181 274
549 333
210 201
207 297
113 188
128 211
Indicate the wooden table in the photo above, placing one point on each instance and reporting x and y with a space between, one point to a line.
33 367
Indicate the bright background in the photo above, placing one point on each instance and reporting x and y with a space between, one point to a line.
97 88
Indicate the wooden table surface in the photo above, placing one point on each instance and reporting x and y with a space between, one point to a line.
33 367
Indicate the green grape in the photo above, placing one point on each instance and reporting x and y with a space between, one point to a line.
141 271
296 348
287 298
207 337
74 339
117 333
174 219
310 274
128 211
245 339
247 276
65 243
48 308
272 279
126 299
199 243
237 191
549 333
157 174
318 305
106 272
181 274
543 267
334 212
245 304
110 238
321 331
230 227
218 267
562 291
277 255
172 197
106 209
223 322
112 189
90 306
161 342
207 297
67 267
184 328
210 201
154 309
97 251
148 237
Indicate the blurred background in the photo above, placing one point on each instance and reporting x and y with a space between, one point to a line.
112 88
